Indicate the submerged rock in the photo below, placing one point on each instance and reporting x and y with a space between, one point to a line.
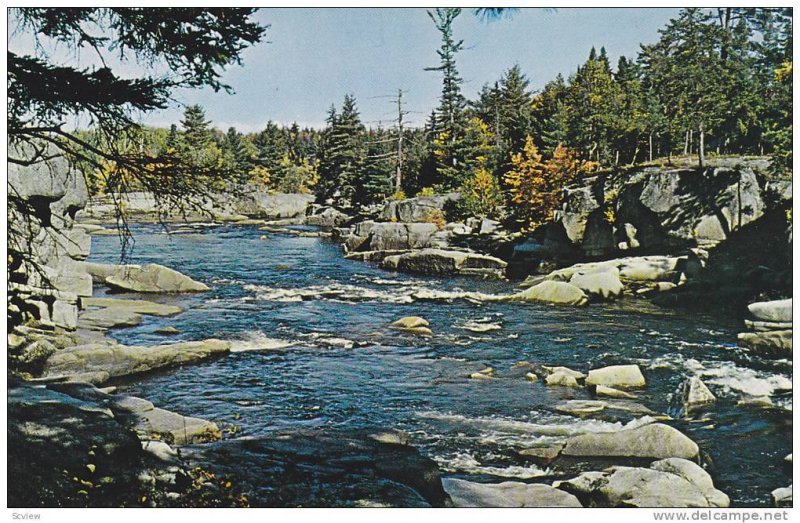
617 376
509 494
668 483
137 306
655 440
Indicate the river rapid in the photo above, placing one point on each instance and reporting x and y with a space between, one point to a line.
313 351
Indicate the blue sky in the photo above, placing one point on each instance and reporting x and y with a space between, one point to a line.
313 57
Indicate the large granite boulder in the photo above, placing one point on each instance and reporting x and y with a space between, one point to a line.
509 494
617 376
604 285
656 440
439 261
555 292
668 483
772 311
373 236
419 209
272 206
152 278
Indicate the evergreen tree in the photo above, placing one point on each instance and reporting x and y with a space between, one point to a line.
343 158
236 156
450 116
198 149
590 106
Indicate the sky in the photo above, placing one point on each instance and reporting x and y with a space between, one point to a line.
311 57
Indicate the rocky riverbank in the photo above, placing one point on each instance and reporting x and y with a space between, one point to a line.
90 446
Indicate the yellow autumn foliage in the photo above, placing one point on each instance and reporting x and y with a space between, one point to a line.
536 186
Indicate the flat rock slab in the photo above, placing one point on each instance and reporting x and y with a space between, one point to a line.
120 360
770 343
509 494
656 441
137 306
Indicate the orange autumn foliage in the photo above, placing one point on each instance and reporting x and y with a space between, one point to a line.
536 186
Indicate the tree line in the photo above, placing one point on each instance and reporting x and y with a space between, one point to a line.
718 81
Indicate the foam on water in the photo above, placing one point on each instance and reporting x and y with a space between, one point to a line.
734 379
254 341
344 292
465 462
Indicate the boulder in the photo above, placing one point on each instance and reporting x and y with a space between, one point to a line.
555 292
543 454
610 392
694 392
772 311
394 236
669 483
152 278
409 322
327 217
418 209
649 268
770 343
121 360
509 494
605 285
561 379
656 440
439 261
617 376
176 429
782 497
271 206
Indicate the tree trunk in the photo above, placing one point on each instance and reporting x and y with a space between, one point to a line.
691 141
635 154
701 153
651 147
686 143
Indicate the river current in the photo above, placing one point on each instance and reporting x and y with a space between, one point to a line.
313 351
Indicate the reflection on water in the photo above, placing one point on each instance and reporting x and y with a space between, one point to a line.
313 351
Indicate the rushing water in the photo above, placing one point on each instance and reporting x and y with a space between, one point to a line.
327 359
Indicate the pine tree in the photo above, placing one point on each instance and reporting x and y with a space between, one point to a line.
450 116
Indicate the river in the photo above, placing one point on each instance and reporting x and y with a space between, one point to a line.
303 305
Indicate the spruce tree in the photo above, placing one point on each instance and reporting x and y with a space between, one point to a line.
450 116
